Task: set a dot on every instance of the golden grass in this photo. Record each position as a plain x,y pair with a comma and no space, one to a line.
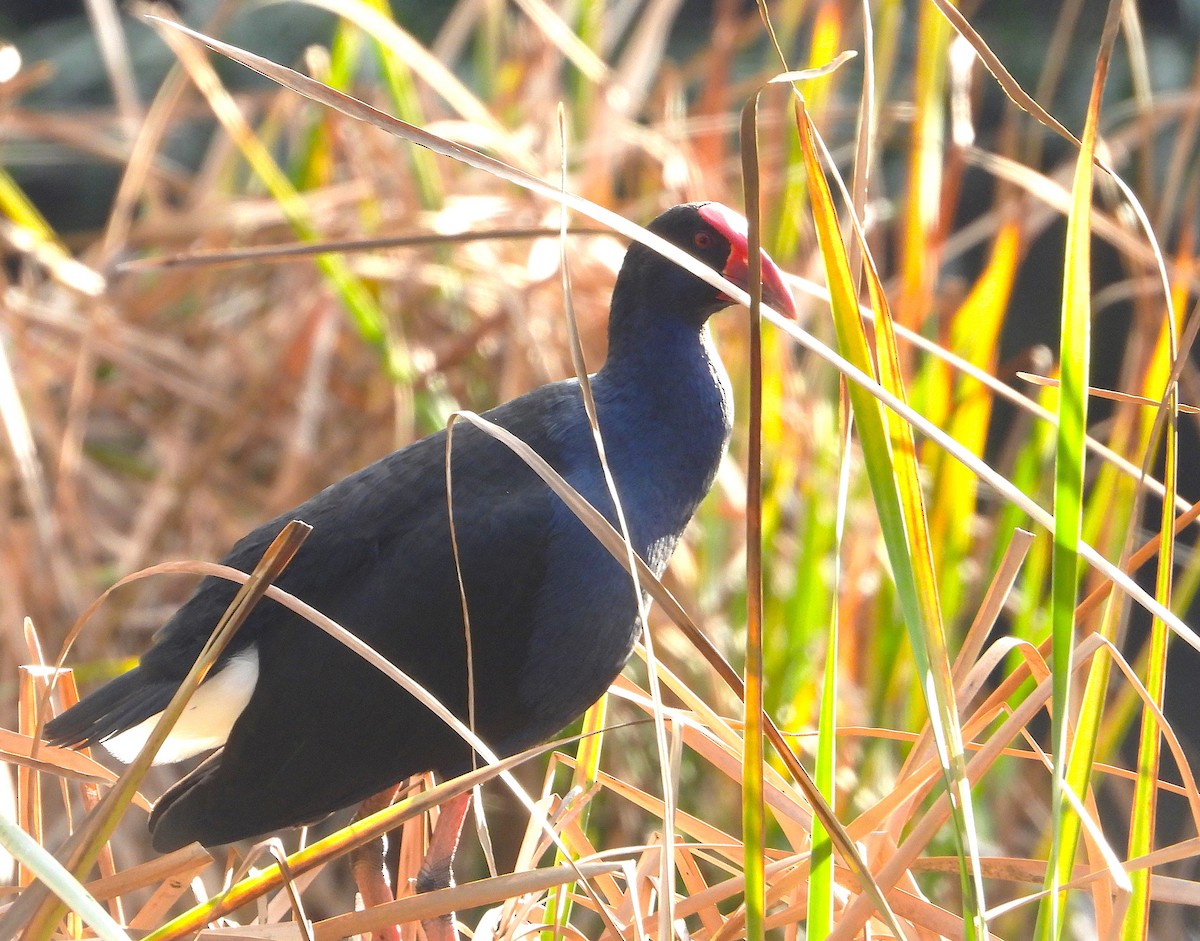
317,293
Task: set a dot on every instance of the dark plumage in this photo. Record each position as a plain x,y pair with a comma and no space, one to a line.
553,616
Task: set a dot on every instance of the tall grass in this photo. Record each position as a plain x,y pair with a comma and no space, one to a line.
948,677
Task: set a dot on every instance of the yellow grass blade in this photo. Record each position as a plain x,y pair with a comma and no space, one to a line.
923,209
1145,800
890,456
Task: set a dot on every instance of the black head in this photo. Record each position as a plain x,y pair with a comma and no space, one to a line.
716,236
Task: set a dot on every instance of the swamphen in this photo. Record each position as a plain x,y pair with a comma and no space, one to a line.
303,726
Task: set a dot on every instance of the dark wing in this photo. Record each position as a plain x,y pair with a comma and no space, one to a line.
324,729
385,518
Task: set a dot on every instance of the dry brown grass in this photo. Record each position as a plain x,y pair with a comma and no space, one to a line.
157,407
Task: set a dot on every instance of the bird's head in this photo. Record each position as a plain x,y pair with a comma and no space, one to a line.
716,235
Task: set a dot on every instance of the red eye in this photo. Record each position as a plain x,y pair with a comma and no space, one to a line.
702,240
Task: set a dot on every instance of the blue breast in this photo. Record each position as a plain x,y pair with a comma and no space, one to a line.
664,441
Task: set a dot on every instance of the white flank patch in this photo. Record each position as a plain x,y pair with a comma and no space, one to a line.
206,720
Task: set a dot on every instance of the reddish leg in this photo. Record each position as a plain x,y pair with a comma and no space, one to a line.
368,863
436,870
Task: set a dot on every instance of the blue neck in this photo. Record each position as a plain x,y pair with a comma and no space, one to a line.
666,414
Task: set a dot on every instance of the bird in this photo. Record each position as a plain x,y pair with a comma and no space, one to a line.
299,727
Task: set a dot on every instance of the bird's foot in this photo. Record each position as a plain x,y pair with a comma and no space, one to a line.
436,871
370,876
437,874
441,928
368,863
434,874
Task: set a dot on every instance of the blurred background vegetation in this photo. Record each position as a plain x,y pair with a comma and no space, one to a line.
157,411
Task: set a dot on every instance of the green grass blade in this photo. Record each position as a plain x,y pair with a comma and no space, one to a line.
890,457
1145,800
398,78
753,807
1070,451
1163,373
58,879
821,877
587,770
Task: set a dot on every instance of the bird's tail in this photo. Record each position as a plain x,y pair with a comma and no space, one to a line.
116,706
181,817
